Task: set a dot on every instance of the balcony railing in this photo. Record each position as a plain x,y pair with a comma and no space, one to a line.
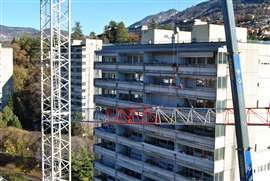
181,158
104,169
184,138
203,93
209,70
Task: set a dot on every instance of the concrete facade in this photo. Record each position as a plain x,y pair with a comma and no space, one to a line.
181,76
6,74
82,76
160,36
215,33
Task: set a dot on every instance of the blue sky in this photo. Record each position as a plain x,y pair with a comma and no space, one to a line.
93,14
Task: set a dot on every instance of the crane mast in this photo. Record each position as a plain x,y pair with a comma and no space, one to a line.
241,128
55,89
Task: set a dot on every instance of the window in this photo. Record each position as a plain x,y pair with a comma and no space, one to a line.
220,130
221,105
219,176
222,58
219,154
222,82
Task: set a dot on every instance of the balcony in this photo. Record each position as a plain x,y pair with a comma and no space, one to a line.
181,158
97,179
159,151
113,102
102,133
104,151
197,163
130,163
130,143
206,70
202,93
184,138
104,169
125,177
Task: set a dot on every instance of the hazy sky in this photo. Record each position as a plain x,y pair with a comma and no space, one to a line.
93,14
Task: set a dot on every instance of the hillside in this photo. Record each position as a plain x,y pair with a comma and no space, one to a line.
8,33
253,14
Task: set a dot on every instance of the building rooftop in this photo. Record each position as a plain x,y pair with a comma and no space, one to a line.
180,47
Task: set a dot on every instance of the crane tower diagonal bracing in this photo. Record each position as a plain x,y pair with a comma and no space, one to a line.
55,85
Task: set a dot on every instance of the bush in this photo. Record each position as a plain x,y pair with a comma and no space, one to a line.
82,166
8,118
10,148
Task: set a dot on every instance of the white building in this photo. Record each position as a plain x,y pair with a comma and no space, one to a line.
180,76
203,32
6,73
82,75
160,36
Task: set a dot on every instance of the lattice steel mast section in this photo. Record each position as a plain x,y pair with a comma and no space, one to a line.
55,90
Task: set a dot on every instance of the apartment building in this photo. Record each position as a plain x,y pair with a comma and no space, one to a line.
6,73
82,76
191,76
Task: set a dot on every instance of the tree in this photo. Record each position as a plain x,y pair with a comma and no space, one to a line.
133,38
93,35
26,80
115,33
10,119
77,32
82,166
3,124
153,24
110,31
10,103
76,127
121,33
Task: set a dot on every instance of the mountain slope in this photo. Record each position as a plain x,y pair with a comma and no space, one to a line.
160,17
8,33
253,14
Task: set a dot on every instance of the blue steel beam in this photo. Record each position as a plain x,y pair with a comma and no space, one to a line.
241,128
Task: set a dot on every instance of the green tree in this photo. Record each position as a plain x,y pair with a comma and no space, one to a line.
93,35
115,33
82,166
10,103
3,124
153,25
121,33
10,118
110,32
76,127
77,32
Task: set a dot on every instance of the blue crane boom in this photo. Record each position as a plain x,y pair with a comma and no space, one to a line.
241,128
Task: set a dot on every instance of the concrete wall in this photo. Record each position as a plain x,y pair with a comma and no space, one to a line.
157,36
214,33
86,73
6,73
255,65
